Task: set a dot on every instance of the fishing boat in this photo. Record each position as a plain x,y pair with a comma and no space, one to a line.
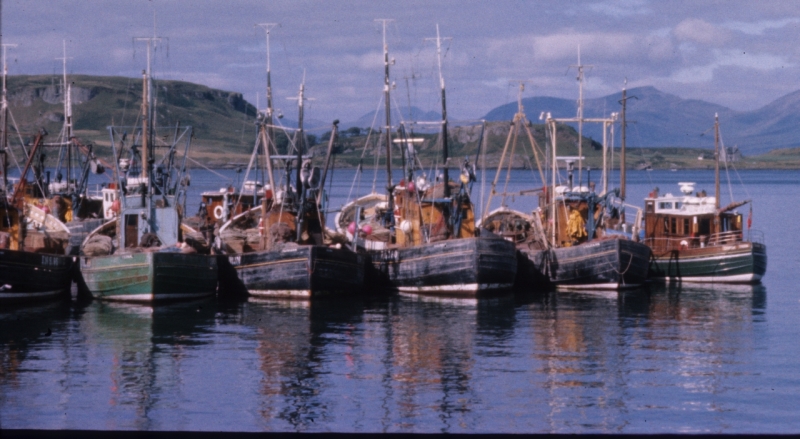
281,248
693,239
428,242
33,260
69,196
144,254
576,238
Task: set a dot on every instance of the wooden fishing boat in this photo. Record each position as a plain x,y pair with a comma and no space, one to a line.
576,238
281,249
144,255
422,238
33,260
694,240
33,265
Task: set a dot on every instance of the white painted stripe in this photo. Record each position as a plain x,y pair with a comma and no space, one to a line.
736,278
474,287
147,297
602,286
281,293
13,295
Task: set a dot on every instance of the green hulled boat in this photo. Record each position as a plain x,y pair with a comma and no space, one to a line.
144,254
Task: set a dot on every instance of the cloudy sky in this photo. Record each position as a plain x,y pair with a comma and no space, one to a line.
742,54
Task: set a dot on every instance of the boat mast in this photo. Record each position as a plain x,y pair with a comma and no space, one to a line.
3,106
716,172
444,112
580,79
299,136
4,139
268,121
623,126
147,110
66,90
387,106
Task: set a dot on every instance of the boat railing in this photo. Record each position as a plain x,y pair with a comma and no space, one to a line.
95,191
755,236
665,244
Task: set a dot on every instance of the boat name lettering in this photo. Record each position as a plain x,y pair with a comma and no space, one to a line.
389,256
235,260
50,260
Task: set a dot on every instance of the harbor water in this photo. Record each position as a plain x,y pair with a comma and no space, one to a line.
659,359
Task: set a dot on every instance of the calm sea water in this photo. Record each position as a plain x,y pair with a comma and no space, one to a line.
659,359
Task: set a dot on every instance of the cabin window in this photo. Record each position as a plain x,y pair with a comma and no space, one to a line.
705,226
666,225
673,225
648,207
678,204
686,229
131,230
664,205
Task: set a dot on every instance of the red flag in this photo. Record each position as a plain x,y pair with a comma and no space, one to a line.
750,218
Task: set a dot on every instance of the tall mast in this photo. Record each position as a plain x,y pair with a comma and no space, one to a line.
301,137
4,103
269,133
387,106
444,114
580,79
145,125
66,90
3,141
623,126
716,169
147,108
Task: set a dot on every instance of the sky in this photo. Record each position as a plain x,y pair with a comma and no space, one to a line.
741,54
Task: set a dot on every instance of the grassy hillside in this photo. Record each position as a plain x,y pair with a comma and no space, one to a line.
223,121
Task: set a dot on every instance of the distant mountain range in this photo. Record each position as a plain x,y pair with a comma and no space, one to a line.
657,119
224,121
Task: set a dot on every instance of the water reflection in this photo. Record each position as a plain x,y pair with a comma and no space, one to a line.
610,358
294,341
25,329
146,347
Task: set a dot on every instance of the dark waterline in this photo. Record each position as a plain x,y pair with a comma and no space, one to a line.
655,360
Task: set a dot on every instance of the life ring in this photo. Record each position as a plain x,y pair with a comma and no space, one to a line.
684,244
218,212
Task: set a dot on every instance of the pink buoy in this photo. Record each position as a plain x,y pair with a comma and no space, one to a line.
367,229
46,210
351,228
411,186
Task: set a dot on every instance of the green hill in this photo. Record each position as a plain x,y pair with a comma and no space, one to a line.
223,121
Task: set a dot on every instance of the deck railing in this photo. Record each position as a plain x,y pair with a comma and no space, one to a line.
666,244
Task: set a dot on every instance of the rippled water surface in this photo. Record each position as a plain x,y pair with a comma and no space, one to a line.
658,359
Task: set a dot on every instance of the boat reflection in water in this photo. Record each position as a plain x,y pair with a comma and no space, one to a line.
299,345
611,357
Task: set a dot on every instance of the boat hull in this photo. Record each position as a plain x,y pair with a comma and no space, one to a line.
457,267
28,276
301,272
742,262
610,264
149,276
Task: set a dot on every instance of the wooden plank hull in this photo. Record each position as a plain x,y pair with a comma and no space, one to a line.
28,276
149,276
301,272
457,267
603,264
741,262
